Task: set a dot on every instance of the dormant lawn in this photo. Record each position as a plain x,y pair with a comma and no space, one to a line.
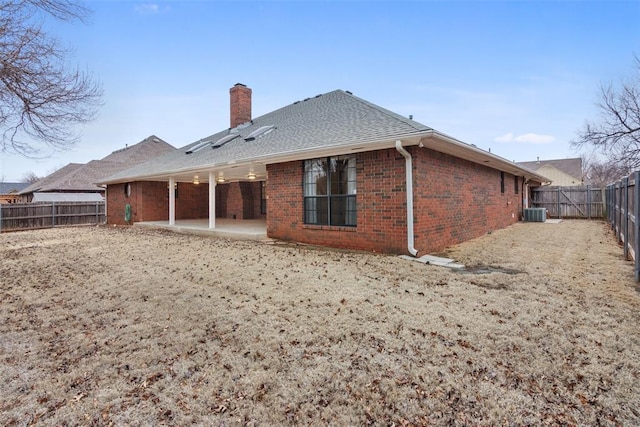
122,326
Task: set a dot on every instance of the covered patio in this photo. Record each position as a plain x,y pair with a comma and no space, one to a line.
239,229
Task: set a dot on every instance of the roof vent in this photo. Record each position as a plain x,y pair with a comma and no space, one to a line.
261,131
348,92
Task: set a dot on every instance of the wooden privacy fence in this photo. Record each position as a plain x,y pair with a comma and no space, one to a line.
14,217
569,202
623,212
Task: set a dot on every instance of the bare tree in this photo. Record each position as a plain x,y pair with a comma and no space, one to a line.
600,173
42,100
616,135
30,177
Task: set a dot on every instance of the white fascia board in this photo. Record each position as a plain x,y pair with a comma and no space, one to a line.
429,138
355,147
474,154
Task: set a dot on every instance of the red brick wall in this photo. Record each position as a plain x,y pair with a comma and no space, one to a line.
284,201
234,201
243,204
192,201
454,200
150,201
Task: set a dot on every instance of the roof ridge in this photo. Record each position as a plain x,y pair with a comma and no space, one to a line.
389,113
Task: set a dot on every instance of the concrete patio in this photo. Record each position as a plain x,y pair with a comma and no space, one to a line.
240,229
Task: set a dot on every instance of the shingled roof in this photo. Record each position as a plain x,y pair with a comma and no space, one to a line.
327,124
328,120
55,176
572,167
12,187
83,177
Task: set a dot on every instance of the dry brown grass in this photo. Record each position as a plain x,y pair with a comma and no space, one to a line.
103,326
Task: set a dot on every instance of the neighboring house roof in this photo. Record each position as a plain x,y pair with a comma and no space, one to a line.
83,177
60,173
559,177
67,197
328,124
572,167
12,187
141,152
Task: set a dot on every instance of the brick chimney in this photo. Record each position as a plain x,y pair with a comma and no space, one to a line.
240,104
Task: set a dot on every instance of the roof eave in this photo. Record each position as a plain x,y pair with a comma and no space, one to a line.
428,138
449,145
287,156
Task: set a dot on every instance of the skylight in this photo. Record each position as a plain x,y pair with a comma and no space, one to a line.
261,131
225,139
198,146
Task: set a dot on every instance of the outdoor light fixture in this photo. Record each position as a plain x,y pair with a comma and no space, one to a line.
251,175
220,179
196,180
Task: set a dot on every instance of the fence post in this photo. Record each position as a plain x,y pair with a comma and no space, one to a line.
589,201
636,224
0,217
625,218
609,205
617,207
558,204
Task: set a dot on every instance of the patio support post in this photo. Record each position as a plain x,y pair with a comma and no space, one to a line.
172,201
212,200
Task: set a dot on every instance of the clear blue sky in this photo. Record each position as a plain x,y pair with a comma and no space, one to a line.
517,77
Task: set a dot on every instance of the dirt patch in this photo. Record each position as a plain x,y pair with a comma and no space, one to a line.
124,326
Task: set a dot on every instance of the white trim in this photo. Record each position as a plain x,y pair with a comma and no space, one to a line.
429,138
212,200
172,200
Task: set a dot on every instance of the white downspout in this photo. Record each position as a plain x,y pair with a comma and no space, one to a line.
409,182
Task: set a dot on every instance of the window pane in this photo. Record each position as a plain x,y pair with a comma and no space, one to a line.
315,177
343,210
316,210
343,175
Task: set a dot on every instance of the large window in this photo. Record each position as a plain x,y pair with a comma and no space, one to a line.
330,191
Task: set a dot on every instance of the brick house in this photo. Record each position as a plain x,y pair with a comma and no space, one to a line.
331,170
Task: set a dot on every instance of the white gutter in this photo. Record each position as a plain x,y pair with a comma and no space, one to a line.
285,156
425,136
409,183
